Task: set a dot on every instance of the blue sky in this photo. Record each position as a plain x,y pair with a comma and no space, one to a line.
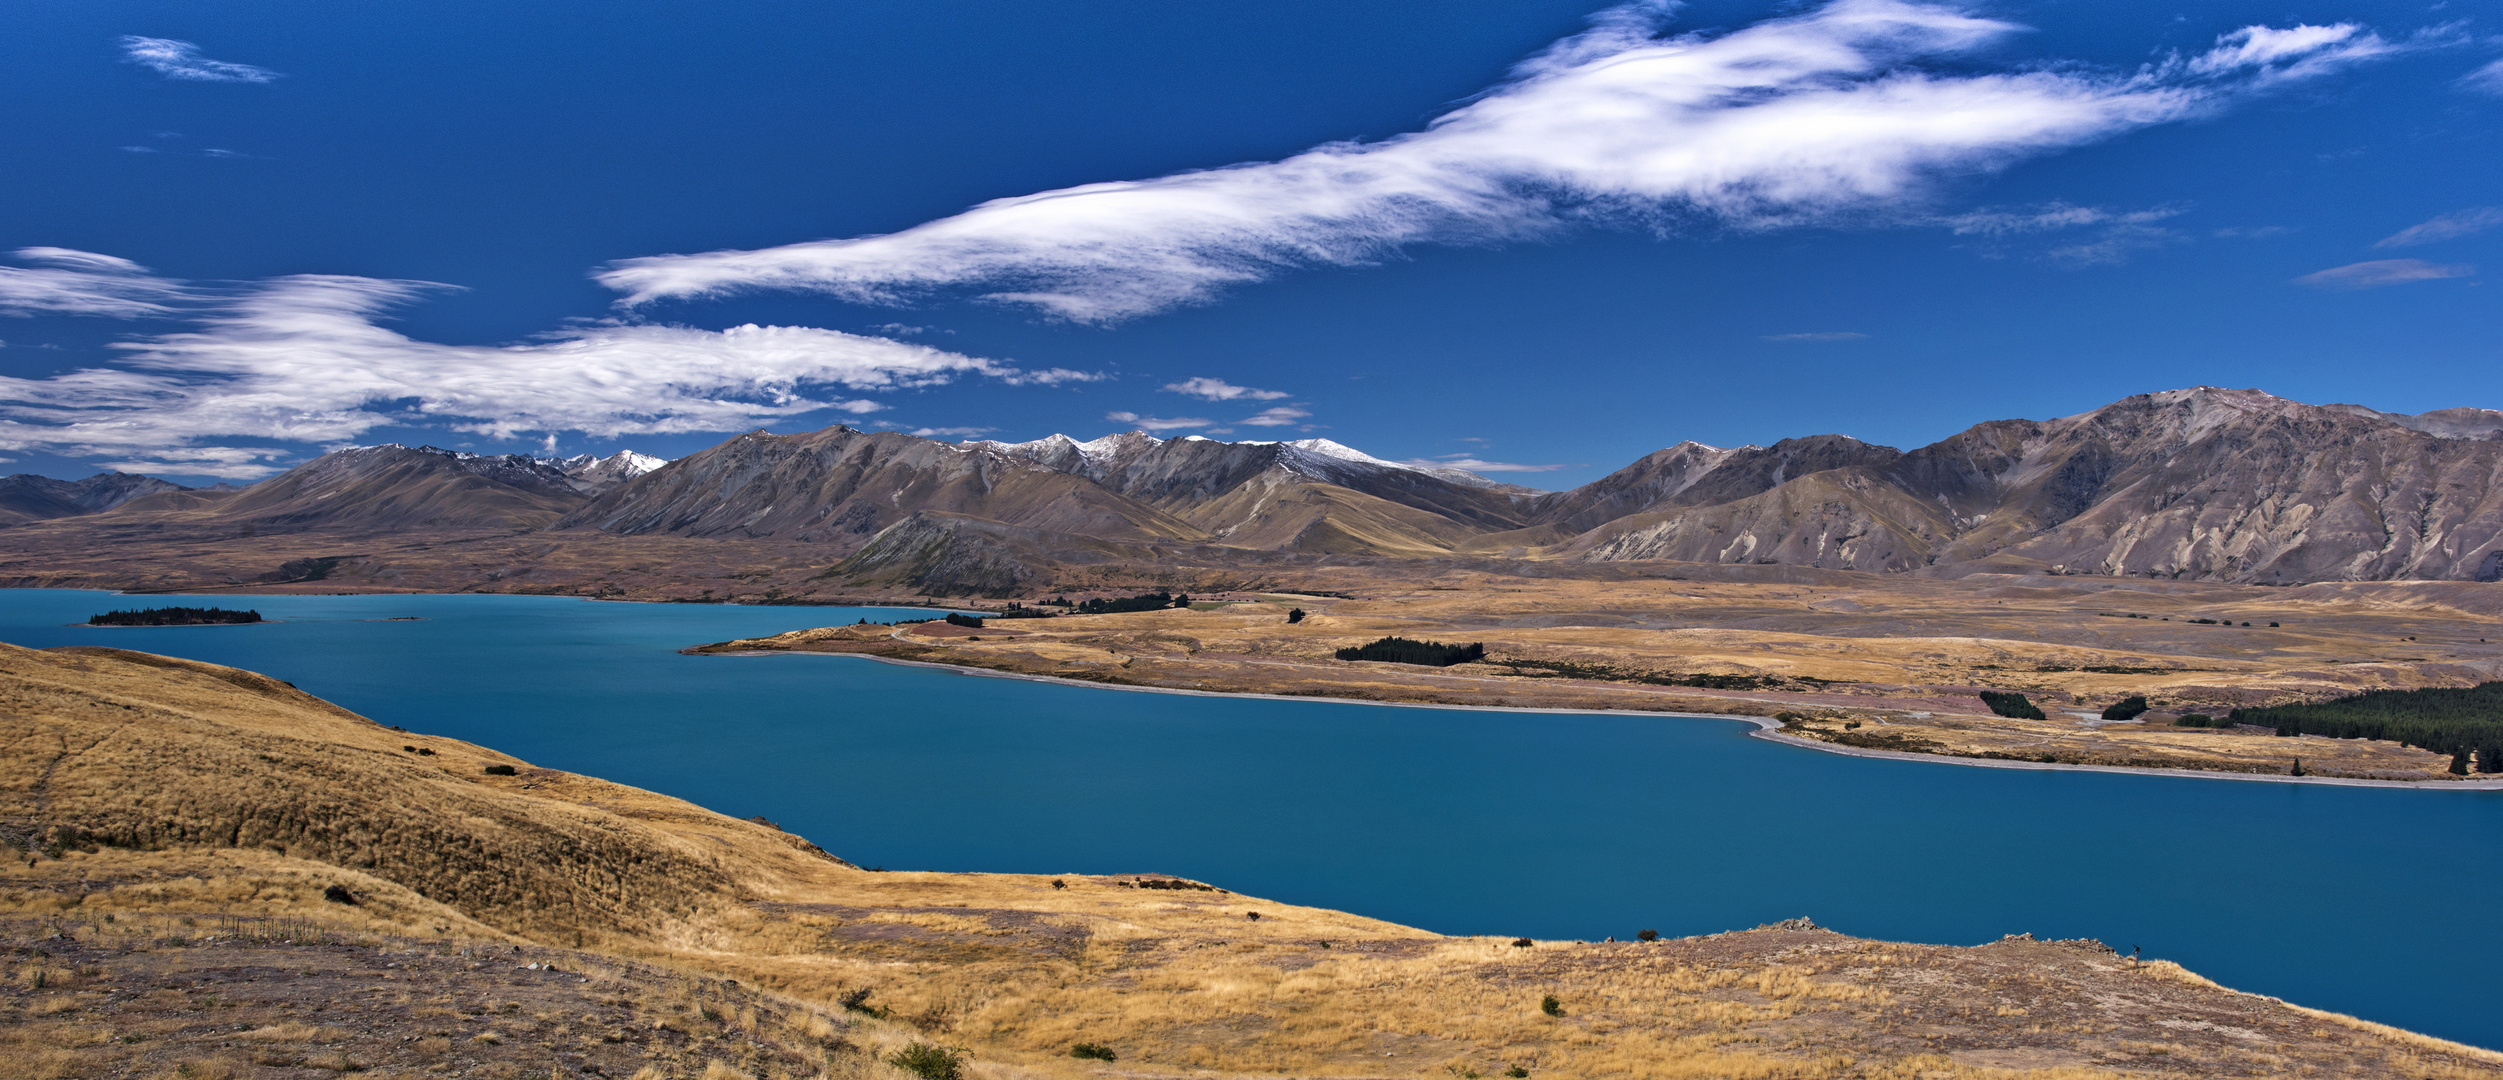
1543,237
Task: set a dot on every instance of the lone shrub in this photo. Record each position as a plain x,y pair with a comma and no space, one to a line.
501,770
2127,708
1252,915
1521,943
1059,884
1516,1072
1646,935
930,1062
1296,615
858,1001
339,894
1551,1006
1092,1052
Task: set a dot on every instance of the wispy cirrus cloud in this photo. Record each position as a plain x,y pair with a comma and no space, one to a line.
2049,217
1158,423
2270,54
1818,335
2451,226
182,60
1819,117
67,282
2117,234
1281,416
2487,79
1207,389
1476,465
304,360
2383,272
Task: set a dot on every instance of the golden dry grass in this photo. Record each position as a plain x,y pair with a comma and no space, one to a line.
1902,656
257,798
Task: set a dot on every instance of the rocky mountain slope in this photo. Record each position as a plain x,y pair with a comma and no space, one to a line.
2204,483
2233,485
28,497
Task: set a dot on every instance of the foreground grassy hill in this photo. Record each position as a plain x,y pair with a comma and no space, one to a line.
220,876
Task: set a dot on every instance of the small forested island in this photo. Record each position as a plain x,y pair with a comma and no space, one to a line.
175,616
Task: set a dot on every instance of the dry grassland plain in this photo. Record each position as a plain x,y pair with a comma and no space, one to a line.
1890,663
219,876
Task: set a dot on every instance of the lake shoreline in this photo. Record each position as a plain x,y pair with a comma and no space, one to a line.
1766,728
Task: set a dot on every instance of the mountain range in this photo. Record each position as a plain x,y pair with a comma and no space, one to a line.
2204,483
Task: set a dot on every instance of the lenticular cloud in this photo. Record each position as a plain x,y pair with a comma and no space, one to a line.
1790,121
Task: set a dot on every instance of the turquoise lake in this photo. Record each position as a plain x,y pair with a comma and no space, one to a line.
2366,901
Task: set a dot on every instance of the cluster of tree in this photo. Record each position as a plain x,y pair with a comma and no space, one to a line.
174,616
1400,650
1155,601
2126,709
2200,719
2011,705
2460,723
974,621
1168,883
1568,669
1015,610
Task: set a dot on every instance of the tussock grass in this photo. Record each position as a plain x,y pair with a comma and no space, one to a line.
709,934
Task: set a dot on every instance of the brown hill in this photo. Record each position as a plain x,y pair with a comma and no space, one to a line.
839,486
380,489
2199,484
28,497
2232,485
185,825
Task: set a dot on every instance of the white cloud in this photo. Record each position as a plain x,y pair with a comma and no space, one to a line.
1819,117
67,282
2121,232
1281,416
1049,377
1819,335
182,60
2381,272
301,359
1153,423
2114,247
2449,226
2488,79
958,432
2298,52
2049,217
1463,461
1207,389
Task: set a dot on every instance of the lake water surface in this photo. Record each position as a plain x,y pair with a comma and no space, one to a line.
2367,901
